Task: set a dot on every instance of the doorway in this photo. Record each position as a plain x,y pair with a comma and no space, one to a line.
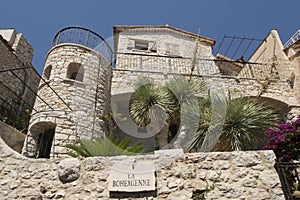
45,143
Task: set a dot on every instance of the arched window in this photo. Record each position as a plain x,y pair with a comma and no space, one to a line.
47,72
75,72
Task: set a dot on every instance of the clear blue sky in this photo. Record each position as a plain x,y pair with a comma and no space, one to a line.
40,20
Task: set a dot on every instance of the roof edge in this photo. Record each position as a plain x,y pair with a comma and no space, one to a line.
118,29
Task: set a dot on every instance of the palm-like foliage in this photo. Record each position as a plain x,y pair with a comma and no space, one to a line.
150,101
183,90
242,127
104,147
223,124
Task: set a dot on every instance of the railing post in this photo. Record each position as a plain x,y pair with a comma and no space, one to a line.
87,39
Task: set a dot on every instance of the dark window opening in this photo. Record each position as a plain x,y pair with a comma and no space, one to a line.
45,143
77,76
47,72
141,45
75,72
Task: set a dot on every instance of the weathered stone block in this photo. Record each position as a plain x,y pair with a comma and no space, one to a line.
69,170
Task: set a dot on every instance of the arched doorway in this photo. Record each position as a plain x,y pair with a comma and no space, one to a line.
43,133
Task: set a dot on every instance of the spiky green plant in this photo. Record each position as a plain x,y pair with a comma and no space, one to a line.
242,127
166,101
104,147
147,96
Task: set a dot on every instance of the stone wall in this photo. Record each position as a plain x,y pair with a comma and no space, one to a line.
23,49
18,87
161,39
237,175
123,80
12,137
173,52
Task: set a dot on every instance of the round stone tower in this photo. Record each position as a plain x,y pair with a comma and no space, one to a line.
73,94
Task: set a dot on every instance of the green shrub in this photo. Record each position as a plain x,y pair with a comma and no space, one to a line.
104,147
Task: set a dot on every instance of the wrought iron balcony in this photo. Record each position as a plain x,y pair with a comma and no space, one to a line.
180,65
85,37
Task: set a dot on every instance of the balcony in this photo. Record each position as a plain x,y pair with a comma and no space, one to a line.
165,64
85,37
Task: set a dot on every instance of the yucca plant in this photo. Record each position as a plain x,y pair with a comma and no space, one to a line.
152,102
163,102
147,96
241,126
104,147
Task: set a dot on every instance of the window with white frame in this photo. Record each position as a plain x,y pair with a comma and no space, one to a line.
142,45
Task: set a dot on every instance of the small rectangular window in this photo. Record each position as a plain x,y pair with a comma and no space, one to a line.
142,45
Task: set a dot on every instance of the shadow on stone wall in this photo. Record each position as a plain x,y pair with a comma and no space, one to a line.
12,137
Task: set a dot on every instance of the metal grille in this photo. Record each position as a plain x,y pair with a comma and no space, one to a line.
288,174
85,37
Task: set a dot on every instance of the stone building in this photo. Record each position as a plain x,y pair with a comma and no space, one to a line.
18,78
82,83
76,91
18,85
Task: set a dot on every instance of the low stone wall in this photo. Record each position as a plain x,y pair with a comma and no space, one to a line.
12,137
237,175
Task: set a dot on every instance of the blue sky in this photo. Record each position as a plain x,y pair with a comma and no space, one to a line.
40,20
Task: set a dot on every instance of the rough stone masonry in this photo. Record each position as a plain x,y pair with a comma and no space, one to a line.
237,175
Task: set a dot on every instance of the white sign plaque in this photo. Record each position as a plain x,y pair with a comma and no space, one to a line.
136,177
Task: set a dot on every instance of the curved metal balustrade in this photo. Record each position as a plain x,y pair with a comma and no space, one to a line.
85,37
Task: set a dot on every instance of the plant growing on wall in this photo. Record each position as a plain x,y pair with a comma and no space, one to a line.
209,186
104,147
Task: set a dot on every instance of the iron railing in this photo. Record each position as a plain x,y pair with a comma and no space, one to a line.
293,39
289,174
164,64
180,65
85,37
